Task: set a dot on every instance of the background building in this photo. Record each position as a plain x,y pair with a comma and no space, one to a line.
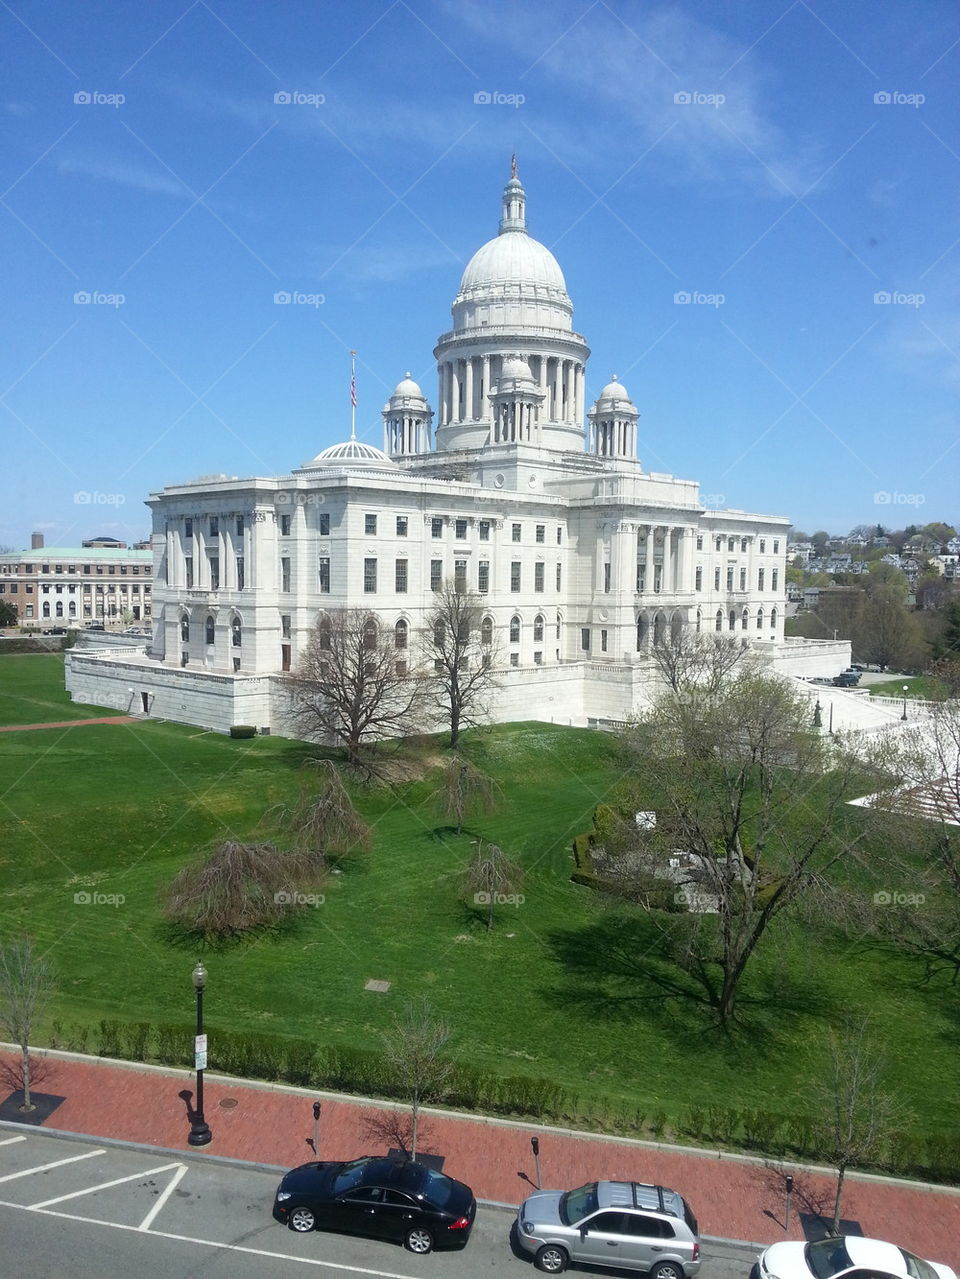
58,585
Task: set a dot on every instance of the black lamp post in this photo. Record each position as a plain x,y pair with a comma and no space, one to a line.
200,1134
905,688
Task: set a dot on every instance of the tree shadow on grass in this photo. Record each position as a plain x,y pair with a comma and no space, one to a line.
622,967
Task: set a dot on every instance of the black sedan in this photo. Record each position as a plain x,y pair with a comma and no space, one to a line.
382,1198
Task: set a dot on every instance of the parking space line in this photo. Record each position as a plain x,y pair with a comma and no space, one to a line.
57,1163
174,1182
105,1185
211,1243
8,1141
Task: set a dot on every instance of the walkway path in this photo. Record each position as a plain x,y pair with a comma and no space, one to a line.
734,1197
71,723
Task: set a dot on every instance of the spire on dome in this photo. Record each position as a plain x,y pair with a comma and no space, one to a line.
513,212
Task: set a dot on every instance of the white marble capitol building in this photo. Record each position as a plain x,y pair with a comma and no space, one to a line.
512,486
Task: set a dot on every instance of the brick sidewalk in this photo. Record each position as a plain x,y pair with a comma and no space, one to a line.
733,1197
69,723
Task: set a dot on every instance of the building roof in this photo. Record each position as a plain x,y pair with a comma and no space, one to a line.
46,553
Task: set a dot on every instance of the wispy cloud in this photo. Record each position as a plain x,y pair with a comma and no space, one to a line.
105,169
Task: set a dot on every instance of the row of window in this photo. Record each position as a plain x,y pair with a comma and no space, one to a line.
86,569
134,588
401,576
732,544
209,630
732,575
111,610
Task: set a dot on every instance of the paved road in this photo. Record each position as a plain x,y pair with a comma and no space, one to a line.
88,1211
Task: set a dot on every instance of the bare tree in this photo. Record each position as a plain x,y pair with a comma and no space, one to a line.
749,801
239,887
323,819
490,878
462,657
414,1047
352,685
465,789
696,659
855,1116
26,985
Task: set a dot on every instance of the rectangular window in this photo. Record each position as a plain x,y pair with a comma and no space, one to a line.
515,533
369,524
484,530
538,570
369,576
285,625
436,527
729,577
559,576
240,567
541,533
538,657
188,565
285,573
603,641
698,578
401,526
731,543
719,543
763,545
400,577
743,579
239,526
285,657
774,578
112,570
436,575
323,523
559,535
716,579
214,573
284,525
743,544
759,579
514,659
58,568
515,576
700,542
776,546
214,526
460,529
323,574
483,576
606,576
460,576
585,639
188,528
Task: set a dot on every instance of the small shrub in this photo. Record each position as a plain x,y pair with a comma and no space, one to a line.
695,1123
135,1041
300,1062
243,730
722,1124
658,1122
108,1039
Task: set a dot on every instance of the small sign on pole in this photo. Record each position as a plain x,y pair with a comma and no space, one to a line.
200,1052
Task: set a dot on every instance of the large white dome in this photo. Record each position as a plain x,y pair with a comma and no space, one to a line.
352,453
513,257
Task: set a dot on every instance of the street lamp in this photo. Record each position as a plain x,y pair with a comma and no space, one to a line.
905,688
200,1134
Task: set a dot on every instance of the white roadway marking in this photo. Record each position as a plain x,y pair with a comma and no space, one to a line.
8,1141
57,1163
105,1185
174,1182
210,1243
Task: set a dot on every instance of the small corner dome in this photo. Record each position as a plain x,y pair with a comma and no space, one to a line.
352,453
614,390
407,389
515,368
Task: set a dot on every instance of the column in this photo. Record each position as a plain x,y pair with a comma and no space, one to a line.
455,391
579,397
649,575
555,405
469,413
485,388
683,542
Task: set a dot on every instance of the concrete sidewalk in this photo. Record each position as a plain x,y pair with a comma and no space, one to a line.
733,1196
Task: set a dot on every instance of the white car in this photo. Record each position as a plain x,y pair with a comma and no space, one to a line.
847,1257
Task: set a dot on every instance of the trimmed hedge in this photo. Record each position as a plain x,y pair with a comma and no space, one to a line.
365,1072
243,730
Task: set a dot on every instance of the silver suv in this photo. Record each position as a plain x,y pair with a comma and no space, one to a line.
622,1224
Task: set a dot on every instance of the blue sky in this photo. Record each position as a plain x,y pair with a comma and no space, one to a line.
782,196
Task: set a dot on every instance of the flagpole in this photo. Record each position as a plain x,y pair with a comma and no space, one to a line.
353,395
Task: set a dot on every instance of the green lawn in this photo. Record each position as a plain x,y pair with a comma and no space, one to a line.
556,991
922,686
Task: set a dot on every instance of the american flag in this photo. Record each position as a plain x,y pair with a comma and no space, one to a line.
353,380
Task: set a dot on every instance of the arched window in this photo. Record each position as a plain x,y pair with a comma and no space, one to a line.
369,634
759,619
185,628
773,618
236,631
46,608
559,625
659,628
514,630
676,626
439,634
538,629
641,632
733,619
324,634
59,608
744,619
719,620
486,631
699,620
400,633
73,608
463,630
209,630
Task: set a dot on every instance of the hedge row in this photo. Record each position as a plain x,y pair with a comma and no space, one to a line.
365,1072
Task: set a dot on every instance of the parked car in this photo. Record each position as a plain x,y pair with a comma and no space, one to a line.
398,1200
623,1224
847,679
847,1257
